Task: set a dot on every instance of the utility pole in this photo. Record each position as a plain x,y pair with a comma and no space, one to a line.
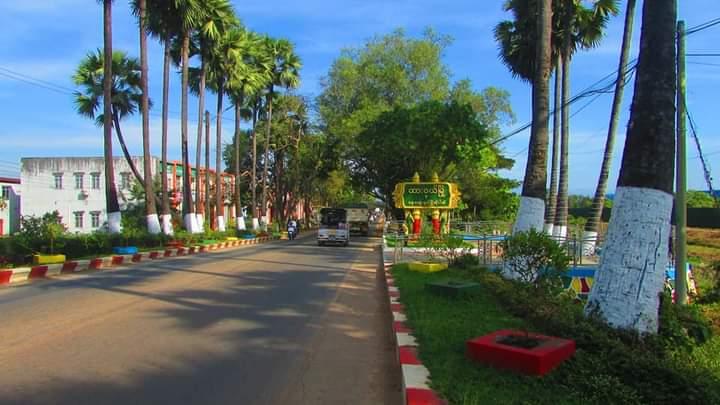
681,176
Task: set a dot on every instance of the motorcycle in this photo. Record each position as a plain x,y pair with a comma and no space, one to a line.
292,232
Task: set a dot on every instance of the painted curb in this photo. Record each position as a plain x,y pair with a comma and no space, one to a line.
415,376
21,274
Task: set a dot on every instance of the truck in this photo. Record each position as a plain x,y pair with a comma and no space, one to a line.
358,218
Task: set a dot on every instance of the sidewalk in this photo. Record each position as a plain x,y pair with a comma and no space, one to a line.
351,359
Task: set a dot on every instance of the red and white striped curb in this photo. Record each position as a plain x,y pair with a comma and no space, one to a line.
20,274
415,377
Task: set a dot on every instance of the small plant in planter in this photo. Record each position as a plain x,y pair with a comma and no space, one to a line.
537,263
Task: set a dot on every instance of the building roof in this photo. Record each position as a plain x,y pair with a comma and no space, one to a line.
10,180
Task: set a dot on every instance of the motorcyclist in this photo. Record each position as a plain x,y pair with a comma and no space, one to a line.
292,228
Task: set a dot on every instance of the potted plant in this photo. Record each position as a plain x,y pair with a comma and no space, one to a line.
538,263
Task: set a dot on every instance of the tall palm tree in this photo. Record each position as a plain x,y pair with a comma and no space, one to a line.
532,200
580,28
249,82
285,72
256,107
153,222
227,65
526,47
551,201
111,200
162,22
591,226
218,16
631,273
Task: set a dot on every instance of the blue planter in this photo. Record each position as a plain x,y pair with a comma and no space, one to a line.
248,236
129,250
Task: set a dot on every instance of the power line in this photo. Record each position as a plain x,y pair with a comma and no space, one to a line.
703,54
703,26
703,162
703,63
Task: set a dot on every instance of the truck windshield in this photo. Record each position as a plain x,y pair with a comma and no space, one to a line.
332,217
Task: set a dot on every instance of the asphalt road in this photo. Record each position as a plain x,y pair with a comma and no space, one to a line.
279,323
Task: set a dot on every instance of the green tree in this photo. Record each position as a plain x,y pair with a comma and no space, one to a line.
388,71
699,199
284,66
427,136
632,273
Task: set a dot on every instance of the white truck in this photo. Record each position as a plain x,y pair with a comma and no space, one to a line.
358,218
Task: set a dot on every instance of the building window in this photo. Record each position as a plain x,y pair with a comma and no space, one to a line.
125,180
78,219
79,181
58,180
5,192
95,219
95,180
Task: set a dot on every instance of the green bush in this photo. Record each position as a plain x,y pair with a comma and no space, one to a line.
535,258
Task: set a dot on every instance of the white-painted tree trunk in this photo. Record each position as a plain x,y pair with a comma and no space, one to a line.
255,224
114,222
189,220
167,227
632,266
559,232
240,222
588,243
200,221
531,215
549,229
153,224
221,223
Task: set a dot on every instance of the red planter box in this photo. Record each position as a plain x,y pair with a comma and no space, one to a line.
536,361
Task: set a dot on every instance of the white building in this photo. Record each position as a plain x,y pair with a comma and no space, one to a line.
9,205
75,187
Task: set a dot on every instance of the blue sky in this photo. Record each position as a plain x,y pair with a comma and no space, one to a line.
45,39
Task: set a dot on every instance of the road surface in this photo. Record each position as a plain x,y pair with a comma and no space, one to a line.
279,323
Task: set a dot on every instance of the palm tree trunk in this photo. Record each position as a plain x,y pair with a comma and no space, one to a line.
126,153
153,223
187,205
591,226
166,217
207,166
263,208
532,201
111,199
631,274
561,213
253,182
552,197
198,146
220,206
239,217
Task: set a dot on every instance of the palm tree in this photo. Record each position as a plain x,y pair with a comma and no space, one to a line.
218,16
162,22
580,28
631,273
153,223
284,71
552,195
248,82
125,89
591,226
111,200
256,106
526,48
226,66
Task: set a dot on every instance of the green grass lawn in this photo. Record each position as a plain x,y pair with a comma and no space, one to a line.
606,369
